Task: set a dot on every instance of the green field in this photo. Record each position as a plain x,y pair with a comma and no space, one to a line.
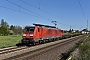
8,41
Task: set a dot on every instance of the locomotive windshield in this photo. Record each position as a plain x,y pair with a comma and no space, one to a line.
29,29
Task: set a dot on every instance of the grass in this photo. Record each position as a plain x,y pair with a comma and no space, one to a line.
84,49
8,41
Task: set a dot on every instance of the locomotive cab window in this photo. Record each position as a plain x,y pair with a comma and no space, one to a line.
29,29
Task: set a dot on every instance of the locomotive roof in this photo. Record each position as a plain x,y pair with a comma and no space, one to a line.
29,26
44,25
41,26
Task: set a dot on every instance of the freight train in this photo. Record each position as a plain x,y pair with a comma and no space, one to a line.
40,33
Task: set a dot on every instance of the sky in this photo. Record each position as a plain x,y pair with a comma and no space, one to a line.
66,12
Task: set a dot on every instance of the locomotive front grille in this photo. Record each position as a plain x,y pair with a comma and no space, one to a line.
27,40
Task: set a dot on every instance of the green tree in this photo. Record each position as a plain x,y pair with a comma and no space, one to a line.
16,29
4,28
85,30
4,23
70,31
12,27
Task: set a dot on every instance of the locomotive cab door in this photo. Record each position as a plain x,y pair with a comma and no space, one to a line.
40,32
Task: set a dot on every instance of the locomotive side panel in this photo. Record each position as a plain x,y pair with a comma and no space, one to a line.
37,34
47,33
51,33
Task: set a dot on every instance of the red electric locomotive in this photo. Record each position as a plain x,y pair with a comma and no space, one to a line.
40,33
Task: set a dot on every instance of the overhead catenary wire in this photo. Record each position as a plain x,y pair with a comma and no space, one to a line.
41,9
33,12
23,8
82,9
29,10
21,12
83,13
17,10
37,7
25,12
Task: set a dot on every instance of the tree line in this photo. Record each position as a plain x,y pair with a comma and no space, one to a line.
6,29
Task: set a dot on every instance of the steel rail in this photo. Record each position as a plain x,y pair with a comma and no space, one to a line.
40,51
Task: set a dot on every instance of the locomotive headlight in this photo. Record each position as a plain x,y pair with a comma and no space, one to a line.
31,34
24,34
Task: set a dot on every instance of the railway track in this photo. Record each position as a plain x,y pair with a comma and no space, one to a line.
36,50
11,49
